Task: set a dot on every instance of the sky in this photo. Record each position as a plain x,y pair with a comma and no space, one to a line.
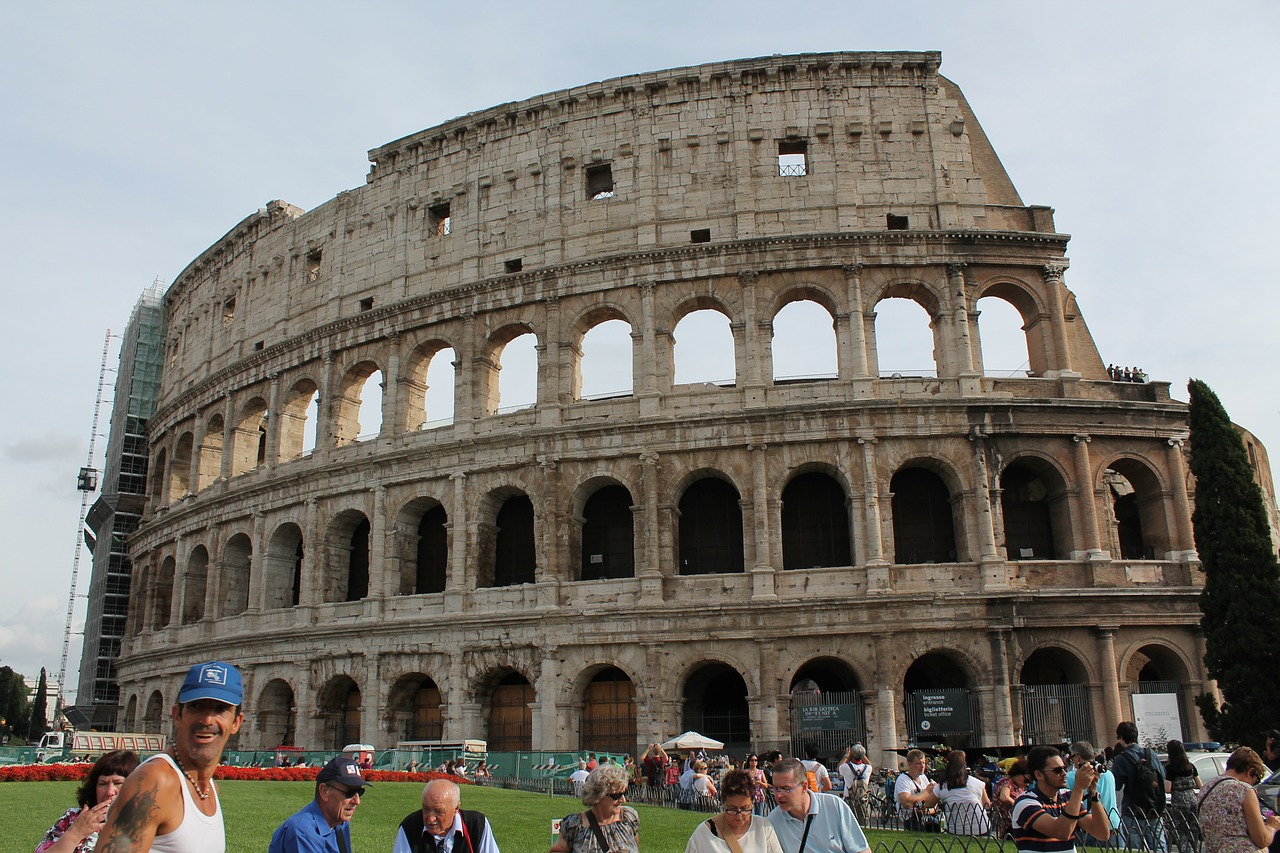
136,134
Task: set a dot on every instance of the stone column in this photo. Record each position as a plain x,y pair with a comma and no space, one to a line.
1002,719
392,399
1088,499
382,583
1181,504
1057,316
257,583
767,722
650,571
456,586
1106,635
213,578
877,565
886,702
855,358
548,731
275,424
228,437
995,571
962,354
651,368
325,411
374,697
315,561
554,386
753,357
307,728
197,454
551,568
762,573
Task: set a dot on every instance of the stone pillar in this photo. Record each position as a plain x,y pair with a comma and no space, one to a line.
257,583
314,562
456,584
392,398
197,454
326,413
1088,499
228,437
1186,539
886,703
374,697
767,722
1057,316
548,731
554,537
275,424
1002,718
753,357
650,571
877,565
554,385
959,309
762,573
1112,709
995,571
856,355
307,728
651,368
382,583
213,578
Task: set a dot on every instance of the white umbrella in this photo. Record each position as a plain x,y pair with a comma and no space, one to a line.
692,740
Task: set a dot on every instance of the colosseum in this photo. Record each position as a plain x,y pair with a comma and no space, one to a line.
859,553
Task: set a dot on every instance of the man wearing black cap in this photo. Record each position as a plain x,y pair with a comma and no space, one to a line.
170,804
324,824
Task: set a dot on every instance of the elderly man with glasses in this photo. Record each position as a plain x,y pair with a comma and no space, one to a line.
324,824
1046,817
810,822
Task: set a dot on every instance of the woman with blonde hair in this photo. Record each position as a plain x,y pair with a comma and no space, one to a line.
1231,818
607,826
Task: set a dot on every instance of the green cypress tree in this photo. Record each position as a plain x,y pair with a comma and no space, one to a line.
14,707
39,710
1240,605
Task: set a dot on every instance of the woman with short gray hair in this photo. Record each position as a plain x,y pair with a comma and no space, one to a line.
607,826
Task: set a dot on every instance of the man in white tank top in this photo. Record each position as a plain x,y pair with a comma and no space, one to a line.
170,804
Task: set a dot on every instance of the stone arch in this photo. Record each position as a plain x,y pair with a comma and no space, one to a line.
815,525
154,717
506,695
717,344
604,547
422,537
415,708
196,585
924,507
1155,666
804,344
347,544
282,567
276,714
1140,509
489,367
210,464
608,701
951,675
1036,326
416,385
1056,705
716,702
508,553
1035,509
235,559
180,468
297,431
131,714
163,593
834,685
348,398
339,712
710,532
249,436
882,356
603,355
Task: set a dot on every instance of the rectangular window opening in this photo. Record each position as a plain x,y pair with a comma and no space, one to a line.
793,158
228,311
513,265
600,181
366,304
439,223
313,265
257,347
896,223
700,235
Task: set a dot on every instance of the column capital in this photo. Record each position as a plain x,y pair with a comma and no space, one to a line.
649,457
955,268
746,277
1053,272
852,268
1081,438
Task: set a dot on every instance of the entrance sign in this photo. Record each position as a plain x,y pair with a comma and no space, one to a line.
941,712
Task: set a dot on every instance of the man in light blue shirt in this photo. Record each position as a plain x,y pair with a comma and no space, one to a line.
814,822
1082,753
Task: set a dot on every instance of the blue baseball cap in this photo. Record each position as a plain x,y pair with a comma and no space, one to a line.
214,680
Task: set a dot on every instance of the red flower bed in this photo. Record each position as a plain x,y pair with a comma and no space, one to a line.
77,772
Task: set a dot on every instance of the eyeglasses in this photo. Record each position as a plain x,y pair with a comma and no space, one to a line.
345,794
738,812
617,796
784,789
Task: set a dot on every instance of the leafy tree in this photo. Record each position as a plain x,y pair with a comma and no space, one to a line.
14,707
39,710
1240,605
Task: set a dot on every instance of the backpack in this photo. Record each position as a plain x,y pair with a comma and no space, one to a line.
1147,794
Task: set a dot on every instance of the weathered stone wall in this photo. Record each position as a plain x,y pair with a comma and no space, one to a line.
290,303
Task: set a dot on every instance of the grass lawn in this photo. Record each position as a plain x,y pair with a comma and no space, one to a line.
521,821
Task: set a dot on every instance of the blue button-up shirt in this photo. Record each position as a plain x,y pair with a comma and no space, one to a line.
308,832
834,828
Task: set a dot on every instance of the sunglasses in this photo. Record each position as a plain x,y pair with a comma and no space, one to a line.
345,794
617,796
1061,768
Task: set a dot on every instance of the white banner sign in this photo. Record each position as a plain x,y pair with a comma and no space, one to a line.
1157,718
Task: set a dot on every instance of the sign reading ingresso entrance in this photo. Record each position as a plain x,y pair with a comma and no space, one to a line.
941,712
826,718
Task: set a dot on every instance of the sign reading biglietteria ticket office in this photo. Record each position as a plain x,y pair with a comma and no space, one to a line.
940,712
826,718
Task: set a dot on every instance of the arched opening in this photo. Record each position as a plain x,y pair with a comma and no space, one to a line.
604,370
815,523
1157,678
130,723
904,339
804,343
153,721
1141,529
339,711
715,704
438,396
608,537
514,556
415,710
298,420
1004,340
210,465
923,528
609,712
1055,698
941,706
432,567
347,578
826,708
510,717
704,349
282,568
1035,511
196,585
710,528
276,714
163,593
237,557
357,406
249,437
370,425
518,374
180,470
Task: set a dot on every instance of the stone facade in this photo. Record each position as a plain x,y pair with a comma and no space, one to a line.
1011,538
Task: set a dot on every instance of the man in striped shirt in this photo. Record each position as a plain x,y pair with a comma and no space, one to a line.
1046,817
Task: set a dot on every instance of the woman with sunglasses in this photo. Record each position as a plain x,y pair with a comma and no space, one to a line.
760,783
735,829
1231,817
608,825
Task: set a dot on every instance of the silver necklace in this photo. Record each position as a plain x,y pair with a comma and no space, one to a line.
203,793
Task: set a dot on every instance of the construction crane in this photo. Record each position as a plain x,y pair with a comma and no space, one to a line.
87,484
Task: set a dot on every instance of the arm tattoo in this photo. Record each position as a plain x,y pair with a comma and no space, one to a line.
135,816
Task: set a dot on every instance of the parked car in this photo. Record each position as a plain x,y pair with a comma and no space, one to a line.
1269,791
